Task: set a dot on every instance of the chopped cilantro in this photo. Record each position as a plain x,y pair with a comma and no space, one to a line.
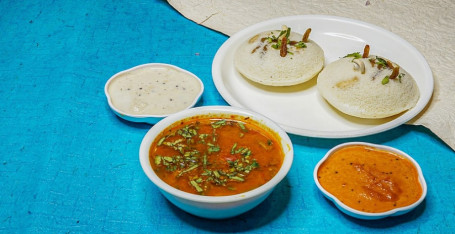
356,55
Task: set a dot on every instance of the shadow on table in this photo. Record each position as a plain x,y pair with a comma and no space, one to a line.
137,125
267,211
391,221
378,138
386,222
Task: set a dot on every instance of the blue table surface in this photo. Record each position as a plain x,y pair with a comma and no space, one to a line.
68,164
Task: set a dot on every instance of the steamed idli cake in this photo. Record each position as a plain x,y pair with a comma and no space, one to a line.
279,58
367,86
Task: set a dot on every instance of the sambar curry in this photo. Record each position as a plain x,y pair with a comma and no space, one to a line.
215,156
370,179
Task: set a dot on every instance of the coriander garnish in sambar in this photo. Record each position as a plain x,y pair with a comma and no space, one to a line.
216,156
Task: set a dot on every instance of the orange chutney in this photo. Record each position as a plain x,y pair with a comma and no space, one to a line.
216,156
369,179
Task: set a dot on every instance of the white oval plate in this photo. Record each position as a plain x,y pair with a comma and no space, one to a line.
300,109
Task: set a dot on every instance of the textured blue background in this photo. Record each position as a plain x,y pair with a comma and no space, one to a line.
68,164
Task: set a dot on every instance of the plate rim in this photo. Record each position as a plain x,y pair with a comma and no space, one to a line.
422,103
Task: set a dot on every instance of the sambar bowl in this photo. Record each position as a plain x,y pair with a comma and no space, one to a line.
223,206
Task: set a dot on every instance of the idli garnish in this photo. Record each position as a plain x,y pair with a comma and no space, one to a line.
279,57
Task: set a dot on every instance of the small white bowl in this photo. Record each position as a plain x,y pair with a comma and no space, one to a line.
367,215
215,207
149,118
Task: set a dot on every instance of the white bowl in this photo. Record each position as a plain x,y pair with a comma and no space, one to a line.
215,207
367,215
149,118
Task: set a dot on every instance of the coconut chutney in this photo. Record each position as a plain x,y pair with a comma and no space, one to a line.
154,90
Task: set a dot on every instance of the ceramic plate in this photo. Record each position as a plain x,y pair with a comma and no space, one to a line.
300,109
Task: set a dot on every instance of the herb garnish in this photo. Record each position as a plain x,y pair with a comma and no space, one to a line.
385,80
355,55
300,44
382,64
219,123
196,186
281,42
192,164
212,148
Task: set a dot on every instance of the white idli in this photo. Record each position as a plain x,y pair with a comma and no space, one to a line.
367,87
259,60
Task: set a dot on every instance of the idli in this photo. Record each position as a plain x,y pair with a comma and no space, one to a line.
279,58
367,86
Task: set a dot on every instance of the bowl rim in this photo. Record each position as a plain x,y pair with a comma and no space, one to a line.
142,116
208,110
369,215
